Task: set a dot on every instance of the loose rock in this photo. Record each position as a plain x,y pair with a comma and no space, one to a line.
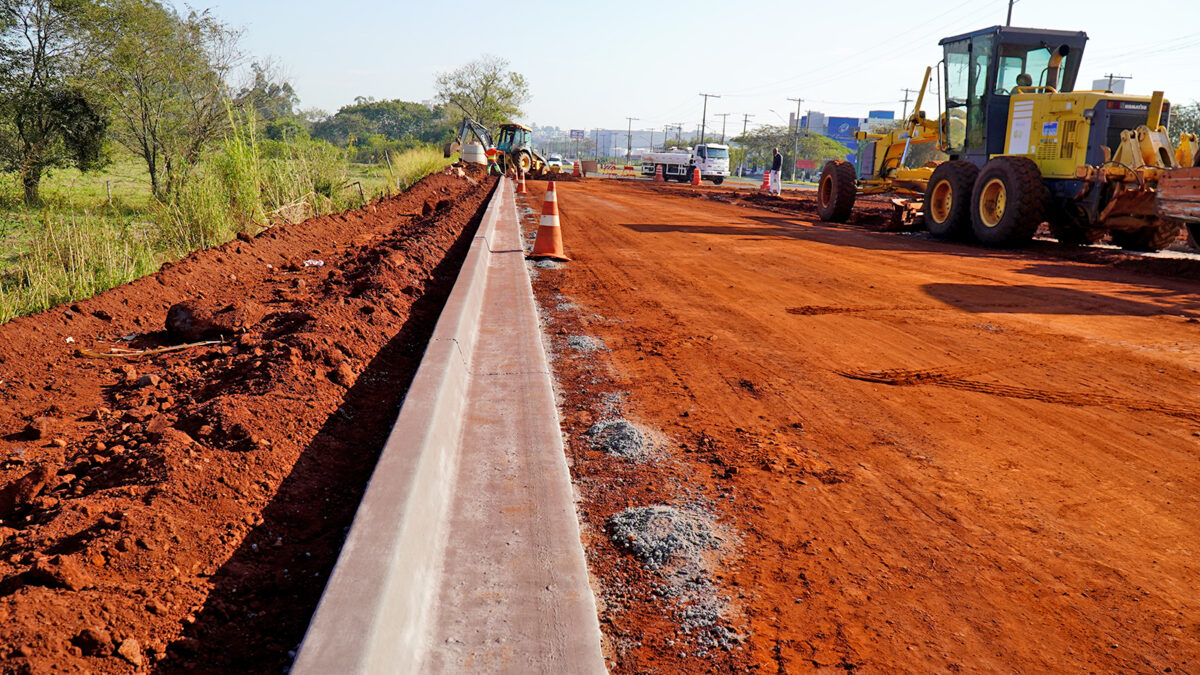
655,534
618,436
131,651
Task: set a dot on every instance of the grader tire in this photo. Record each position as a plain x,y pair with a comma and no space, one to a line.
1193,230
836,192
1154,237
947,204
1008,202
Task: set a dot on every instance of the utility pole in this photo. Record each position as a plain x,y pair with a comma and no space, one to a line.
704,116
651,140
1008,22
796,136
679,132
906,100
596,142
742,165
723,117
666,135
629,138
1112,77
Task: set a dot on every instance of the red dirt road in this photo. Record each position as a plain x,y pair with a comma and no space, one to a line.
927,457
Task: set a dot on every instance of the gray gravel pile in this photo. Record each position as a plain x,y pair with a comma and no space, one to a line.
584,343
657,534
548,264
618,436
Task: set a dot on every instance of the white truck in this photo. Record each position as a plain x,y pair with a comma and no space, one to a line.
711,159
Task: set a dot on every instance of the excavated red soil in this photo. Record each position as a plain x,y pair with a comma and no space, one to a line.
181,511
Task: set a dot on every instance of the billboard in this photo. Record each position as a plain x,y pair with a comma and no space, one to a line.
577,134
841,129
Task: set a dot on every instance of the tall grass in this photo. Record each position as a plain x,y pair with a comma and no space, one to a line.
74,248
251,183
410,166
71,258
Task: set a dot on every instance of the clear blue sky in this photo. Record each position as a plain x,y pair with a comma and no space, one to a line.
591,65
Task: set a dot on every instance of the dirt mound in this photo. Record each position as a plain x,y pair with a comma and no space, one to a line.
184,508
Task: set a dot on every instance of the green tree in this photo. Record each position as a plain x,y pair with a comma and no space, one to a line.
164,76
269,95
393,119
484,90
759,146
48,116
1185,119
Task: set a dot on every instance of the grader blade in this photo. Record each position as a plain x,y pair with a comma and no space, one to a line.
1179,195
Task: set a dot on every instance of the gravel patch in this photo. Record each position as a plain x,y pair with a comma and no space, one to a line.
657,534
584,343
548,264
619,437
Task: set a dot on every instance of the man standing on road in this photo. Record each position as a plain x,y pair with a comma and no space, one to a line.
777,174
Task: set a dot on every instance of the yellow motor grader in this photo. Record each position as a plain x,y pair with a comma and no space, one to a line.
1025,148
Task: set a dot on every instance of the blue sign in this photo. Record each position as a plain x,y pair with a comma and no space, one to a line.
841,129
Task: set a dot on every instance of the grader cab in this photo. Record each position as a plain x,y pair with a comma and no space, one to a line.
1025,147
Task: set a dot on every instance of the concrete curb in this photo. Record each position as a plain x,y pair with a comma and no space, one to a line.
418,561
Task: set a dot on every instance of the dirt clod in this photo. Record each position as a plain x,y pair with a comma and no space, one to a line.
60,572
194,320
94,642
20,493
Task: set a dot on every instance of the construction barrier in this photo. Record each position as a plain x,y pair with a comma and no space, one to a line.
619,171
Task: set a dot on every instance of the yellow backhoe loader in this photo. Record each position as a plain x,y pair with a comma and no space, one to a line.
513,149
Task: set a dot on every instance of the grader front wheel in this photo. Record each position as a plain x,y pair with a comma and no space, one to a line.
836,192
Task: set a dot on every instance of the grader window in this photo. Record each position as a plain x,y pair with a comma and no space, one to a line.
958,66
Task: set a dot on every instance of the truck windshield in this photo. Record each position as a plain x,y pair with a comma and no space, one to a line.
718,153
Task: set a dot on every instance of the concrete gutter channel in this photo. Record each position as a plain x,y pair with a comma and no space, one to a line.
465,552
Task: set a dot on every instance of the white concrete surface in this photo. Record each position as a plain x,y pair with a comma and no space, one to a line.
465,554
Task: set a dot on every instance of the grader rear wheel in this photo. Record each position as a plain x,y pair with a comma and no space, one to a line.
948,199
836,192
1009,202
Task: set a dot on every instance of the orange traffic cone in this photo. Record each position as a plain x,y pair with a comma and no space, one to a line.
549,235
766,186
696,175
521,185
658,174
578,173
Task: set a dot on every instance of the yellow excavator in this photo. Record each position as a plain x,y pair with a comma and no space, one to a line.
513,149
1025,148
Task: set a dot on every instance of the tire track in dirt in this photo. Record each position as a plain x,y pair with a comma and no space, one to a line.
952,377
